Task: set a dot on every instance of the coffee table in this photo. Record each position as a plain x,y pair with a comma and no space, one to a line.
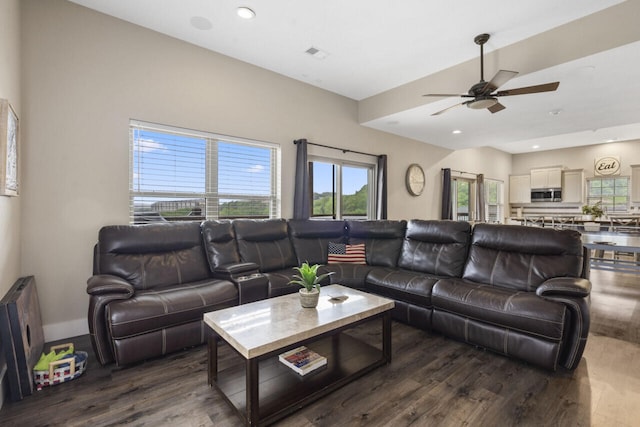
264,390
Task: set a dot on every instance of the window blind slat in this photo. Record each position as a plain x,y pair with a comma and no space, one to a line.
176,174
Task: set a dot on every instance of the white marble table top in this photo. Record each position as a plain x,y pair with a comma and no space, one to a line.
261,327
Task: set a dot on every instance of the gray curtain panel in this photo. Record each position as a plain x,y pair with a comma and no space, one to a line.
381,196
301,196
480,215
447,208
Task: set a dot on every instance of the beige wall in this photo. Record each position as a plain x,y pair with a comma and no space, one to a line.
10,90
582,158
87,74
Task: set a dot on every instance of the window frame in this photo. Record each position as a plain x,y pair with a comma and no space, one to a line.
211,194
609,208
371,168
500,202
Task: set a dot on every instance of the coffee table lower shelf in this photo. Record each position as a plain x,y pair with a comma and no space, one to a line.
282,391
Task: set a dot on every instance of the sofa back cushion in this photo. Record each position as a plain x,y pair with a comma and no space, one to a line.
220,243
436,247
382,239
153,255
310,238
265,242
521,258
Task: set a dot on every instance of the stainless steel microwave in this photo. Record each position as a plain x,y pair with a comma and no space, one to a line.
546,195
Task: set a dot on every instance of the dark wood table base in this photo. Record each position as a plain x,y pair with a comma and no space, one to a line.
264,390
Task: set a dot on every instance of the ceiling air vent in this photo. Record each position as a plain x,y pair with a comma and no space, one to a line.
316,53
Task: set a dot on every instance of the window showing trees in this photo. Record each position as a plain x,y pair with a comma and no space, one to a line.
464,199
612,192
340,190
493,200
182,175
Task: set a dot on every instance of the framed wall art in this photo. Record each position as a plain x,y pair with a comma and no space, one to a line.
8,150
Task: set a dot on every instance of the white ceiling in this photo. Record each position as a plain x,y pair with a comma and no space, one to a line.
386,54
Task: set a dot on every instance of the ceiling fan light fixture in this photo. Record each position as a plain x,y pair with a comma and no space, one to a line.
482,102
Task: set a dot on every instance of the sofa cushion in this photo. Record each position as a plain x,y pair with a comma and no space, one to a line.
310,238
220,245
436,247
160,308
522,311
351,275
266,243
382,239
279,282
348,254
522,258
402,285
153,255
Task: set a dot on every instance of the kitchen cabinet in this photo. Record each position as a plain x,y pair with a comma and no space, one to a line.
573,186
546,178
635,183
519,189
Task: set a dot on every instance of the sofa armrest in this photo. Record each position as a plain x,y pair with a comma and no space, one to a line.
103,289
233,271
565,286
573,292
104,284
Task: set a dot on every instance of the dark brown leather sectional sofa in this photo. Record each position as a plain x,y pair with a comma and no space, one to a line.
519,291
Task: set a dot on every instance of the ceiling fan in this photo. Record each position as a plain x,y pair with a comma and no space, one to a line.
482,93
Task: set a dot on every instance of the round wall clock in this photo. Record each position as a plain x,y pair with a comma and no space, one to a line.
415,179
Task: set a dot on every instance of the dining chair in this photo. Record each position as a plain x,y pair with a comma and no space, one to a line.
626,225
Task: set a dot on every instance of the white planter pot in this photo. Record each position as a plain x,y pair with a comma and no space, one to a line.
309,299
591,226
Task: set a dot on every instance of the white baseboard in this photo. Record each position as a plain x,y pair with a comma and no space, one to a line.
62,330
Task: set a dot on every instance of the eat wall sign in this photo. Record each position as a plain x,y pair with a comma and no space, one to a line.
609,165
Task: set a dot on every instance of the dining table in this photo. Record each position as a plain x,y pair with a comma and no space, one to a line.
613,251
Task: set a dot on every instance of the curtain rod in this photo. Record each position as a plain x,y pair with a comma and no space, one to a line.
344,150
468,173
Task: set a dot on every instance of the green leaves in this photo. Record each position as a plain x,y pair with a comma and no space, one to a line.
308,276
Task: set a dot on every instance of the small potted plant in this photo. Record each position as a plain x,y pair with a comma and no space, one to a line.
309,279
590,213
595,211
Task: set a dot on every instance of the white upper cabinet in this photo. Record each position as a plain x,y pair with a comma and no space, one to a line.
520,189
546,178
573,186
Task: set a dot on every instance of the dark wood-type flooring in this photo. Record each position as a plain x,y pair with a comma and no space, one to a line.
432,381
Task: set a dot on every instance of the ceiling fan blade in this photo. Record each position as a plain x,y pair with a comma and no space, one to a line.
547,87
498,80
496,107
447,109
447,95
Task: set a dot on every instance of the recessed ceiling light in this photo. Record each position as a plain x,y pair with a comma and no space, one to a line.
535,147
245,13
456,132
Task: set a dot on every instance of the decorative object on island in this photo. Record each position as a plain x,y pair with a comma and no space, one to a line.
309,279
8,150
302,360
594,211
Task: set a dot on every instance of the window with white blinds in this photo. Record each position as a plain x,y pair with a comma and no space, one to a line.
182,175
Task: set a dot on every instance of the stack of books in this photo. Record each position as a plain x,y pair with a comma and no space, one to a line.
303,360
